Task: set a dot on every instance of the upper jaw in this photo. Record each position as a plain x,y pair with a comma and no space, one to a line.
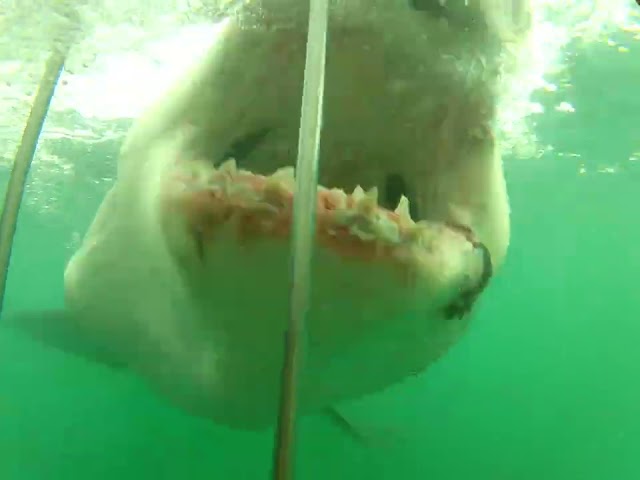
262,206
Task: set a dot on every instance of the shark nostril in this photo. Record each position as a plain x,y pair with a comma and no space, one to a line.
395,187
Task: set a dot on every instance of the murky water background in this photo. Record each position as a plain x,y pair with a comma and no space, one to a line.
544,386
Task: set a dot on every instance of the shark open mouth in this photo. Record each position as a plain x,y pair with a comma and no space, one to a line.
184,275
352,225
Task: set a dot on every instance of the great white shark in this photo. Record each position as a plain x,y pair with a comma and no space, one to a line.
183,277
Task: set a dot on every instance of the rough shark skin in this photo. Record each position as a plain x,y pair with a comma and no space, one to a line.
183,277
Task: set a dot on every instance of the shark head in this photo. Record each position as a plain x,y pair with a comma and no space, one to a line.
186,269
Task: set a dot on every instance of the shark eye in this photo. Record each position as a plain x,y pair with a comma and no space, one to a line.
395,187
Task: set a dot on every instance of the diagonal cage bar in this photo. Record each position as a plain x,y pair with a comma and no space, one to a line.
23,161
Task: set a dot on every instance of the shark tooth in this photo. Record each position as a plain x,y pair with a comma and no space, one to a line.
285,175
372,194
229,166
358,194
368,203
402,210
338,197
278,186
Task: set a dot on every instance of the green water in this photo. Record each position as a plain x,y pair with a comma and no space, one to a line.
544,386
